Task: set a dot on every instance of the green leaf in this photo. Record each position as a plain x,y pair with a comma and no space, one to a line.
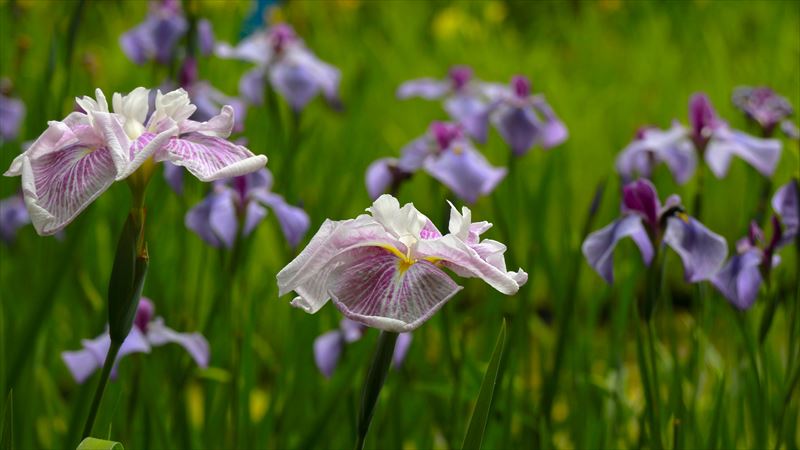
91,443
7,426
480,415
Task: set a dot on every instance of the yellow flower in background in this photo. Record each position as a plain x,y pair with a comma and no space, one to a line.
454,22
495,12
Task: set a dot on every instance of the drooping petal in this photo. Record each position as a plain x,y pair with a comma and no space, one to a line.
13,215
174,177
785,203
134,343
293,220
702,251
553,131
194,343
740,279
671,147
81,363
252,84
519,128
380,177
210,158
373,286
466,172
308,273
401,349
12,111
427,88
485,262
762,154
472,113
255,48
253,216
413,155
327,350
351,330
295,83
598,248
214,219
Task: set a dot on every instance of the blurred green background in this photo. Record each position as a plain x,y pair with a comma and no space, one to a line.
606,67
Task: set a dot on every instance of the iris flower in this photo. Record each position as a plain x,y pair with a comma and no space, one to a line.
147,332
385,269
764,107
292,69
741,278
447,155
466,99
77,159
13,216
652,147
242,200
12,111
525,120
156,38
328,347
649,224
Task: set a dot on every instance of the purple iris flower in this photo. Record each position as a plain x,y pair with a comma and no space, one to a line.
713,138
291,68
741,278
447,155
12,111
13,216
467,100
763,106
207,98
329,346
148,331
525,120
156,37
240,202
651,224
652,147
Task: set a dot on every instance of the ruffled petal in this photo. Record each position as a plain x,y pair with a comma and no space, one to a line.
194,343
740,279
210,158
327,350
702,251
466,172
762,154
598,248
373,286
427,88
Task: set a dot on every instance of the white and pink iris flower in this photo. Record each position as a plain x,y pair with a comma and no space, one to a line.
385,269
77,159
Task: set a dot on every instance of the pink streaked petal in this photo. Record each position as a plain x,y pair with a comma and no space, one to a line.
110,127
210,158
465,260
219,125
59,185
369,286
308,273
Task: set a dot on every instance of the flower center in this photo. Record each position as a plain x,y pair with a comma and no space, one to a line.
133,128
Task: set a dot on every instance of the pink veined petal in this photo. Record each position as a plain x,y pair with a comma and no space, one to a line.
219,125
58,135
465,261
60,185
110,127
308,273
143,148
373,286
210,158
194,343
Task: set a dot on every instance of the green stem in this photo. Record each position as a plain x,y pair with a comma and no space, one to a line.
111,357
376,376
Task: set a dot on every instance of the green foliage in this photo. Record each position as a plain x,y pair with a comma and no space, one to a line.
91,443
480,414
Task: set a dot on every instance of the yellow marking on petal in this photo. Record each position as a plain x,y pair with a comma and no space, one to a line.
395,251
683,216
458,150
404,265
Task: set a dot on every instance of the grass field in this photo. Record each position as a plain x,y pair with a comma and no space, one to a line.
606,67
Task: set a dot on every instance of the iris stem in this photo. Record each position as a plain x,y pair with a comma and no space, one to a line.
111,357
376,376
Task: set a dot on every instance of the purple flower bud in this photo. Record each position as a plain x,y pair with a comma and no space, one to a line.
144,314
445,134
640,197
460,77
521,86
702,118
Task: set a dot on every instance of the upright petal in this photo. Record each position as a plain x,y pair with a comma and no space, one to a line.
427,88
293,220
373,286
210,158
598,248
740,279
205,37
762,154
404,223
327,350
194,343
466,172
702,251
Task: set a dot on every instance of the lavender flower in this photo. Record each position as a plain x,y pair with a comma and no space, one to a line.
466,99
650,224
329,346
292,69
77,159
525,120
652,147
763,106
148,331
12,111
384,270
155,38
447,155
13,216
242,200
